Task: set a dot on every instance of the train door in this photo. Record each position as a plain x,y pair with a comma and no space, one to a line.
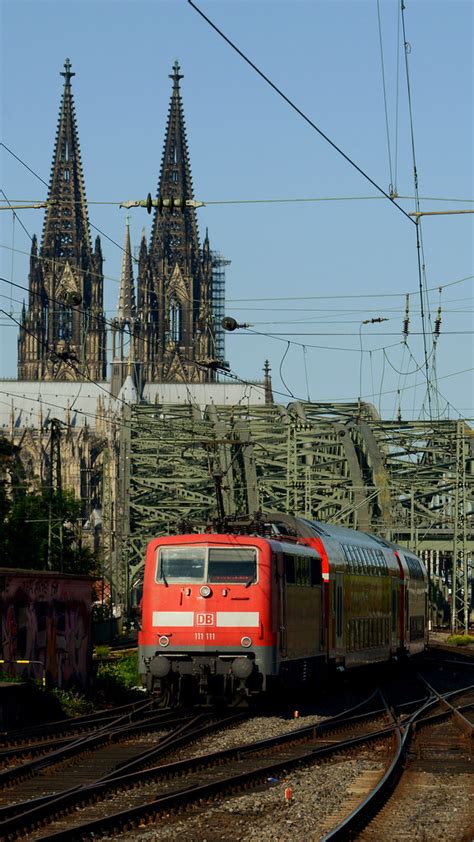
339,607
394,612
282,608
406,631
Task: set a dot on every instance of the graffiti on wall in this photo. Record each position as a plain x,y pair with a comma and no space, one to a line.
46,617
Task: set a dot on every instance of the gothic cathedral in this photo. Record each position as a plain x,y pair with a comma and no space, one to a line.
166,332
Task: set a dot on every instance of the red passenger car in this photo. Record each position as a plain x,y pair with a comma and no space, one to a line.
229,613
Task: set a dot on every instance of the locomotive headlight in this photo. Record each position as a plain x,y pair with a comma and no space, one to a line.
163,640
205,590
160,666
246,641
242,667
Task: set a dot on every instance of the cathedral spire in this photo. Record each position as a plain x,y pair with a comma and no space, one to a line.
63,336
174,283
66,226
175,182
126,307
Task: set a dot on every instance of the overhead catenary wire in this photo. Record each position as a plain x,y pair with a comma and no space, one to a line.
382,62
340,400
297,109
40,204
102,233
348,296
419,236
345,296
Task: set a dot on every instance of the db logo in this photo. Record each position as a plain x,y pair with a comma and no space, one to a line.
205,619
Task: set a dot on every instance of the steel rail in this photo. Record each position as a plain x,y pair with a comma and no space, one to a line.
182,797
69,723
66,801
181,735
111,732
379,795
456,712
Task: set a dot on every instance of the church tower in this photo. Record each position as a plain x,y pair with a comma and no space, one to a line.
62,333
174,304
125,325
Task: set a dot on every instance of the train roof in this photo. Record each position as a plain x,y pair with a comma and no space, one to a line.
304,527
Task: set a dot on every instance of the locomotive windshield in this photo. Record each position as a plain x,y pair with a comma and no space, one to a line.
181,564
236,565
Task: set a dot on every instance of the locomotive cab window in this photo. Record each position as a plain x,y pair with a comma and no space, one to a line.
181,564
238,565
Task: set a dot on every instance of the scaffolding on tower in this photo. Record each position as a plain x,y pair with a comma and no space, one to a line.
218,300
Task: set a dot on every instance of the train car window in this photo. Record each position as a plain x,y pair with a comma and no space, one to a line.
350,560
289,567
368,560
302,573
382,561
414,567
181,564
373,562
417,627
348,557
316,576
355,559
362,563
237,564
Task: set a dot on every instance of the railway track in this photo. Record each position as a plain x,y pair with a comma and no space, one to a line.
26,743
65,728
127,727
165,786
45,793
433,758
127,797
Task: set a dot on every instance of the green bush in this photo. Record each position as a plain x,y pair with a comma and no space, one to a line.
4,677
72,704
101,651
116,677
460,639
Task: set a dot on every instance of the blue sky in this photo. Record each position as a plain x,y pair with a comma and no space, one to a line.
312,265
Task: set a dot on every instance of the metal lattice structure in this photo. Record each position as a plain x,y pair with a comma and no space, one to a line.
411,482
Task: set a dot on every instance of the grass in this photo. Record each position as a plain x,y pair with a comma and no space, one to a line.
460,639
101,651
72,703
5,677
114,679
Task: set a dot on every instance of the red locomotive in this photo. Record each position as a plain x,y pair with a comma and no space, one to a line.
230,613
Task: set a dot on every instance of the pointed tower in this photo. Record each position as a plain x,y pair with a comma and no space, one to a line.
175,277
125,325
62,336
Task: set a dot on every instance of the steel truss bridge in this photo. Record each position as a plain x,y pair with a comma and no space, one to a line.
409,481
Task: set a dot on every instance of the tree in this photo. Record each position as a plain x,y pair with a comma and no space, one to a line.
39,531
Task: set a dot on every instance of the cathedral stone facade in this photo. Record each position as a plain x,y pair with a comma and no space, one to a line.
164,333
62,333
175,337
63,406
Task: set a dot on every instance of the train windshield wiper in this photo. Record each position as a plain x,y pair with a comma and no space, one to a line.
249,582
163,574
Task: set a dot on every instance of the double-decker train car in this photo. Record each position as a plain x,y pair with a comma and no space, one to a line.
224,614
